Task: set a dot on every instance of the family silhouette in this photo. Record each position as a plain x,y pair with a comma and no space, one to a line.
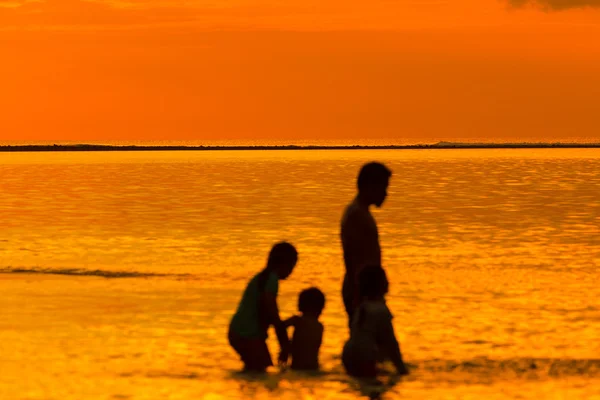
365,284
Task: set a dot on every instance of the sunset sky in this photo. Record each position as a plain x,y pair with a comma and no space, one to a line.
403,70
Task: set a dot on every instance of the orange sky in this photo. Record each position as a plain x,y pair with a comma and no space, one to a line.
408,70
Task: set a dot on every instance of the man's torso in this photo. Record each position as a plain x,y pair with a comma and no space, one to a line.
360,238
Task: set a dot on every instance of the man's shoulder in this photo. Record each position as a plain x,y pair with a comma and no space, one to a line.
353,212
349,209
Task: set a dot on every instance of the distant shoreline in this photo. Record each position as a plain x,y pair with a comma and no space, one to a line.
441,146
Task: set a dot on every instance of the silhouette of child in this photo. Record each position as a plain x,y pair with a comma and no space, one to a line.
308,331
372,337
258,310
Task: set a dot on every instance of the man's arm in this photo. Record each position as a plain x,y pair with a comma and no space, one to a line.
360,242
353,242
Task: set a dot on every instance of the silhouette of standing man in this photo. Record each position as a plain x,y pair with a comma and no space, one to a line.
360,238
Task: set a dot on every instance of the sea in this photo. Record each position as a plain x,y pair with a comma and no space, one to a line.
120,271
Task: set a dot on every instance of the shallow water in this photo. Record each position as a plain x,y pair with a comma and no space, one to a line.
121,270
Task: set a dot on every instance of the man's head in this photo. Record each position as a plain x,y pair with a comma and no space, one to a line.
373,180
282,259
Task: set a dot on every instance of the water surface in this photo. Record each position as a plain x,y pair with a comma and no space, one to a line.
493,259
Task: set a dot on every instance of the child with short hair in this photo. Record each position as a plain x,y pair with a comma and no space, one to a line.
258,310
372,337
308,331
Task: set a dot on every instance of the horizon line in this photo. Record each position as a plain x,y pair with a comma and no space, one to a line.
439,145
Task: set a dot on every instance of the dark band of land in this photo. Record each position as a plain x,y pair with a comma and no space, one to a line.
441,145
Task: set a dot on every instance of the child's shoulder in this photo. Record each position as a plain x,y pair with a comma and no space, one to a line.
314,323
293,320
379,308
308,322
267,281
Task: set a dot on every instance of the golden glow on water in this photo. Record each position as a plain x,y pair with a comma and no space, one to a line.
493,258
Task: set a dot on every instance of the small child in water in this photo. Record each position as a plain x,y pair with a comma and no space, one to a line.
372,337
258,310
308,331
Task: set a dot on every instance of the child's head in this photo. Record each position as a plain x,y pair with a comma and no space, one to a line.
373,281
282,259
311,301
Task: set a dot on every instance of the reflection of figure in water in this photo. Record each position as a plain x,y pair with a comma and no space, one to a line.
360,238
308,331
258,310
372,337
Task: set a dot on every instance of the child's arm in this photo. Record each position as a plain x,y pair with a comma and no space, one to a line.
270,302
321,334
291,321
391,345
